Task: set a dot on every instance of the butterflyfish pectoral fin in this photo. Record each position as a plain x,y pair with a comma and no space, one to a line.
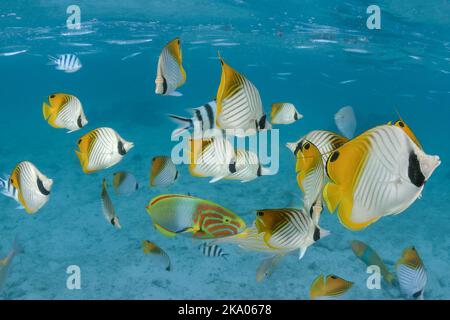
332,196
175,94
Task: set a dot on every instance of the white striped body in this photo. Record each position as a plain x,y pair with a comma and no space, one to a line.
247,166
412,281
297,231
7,189
284,113
70,116
214,159
239,105
170,73
211,250
68,63
32,187
103,149
163,172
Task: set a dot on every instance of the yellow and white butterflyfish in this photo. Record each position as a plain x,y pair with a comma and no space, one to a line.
214,157
288,229
325,141
239,105
163,171
28,186
284,113
64,111
310,177
381,172
402,125
101,148
247,167
329,288
170,73
411,274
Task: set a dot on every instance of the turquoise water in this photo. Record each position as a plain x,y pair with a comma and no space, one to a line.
305,52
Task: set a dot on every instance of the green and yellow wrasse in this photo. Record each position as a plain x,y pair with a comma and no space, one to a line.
5,263
170,73
239,105
173,214
402,125
101,148
28,186
310,177
284,113
163,172
124,183
367,255
64,111
151,248
380,172
329,287
411,274
288,228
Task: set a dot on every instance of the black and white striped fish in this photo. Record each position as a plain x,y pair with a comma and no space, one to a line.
212,250
7,188
68,63
203,120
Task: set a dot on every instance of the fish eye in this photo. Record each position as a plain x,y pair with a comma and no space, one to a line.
79,141
52,96
334,156
226,220
307,145
401,124
260,213
333,277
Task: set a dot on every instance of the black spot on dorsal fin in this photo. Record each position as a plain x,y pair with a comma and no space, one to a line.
121,148
415,175
41,187
316,235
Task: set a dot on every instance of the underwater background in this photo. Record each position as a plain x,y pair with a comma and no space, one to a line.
318,55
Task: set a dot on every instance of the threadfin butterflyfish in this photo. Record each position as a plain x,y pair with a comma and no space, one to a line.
284,113
246,167
310,177
381,172
329,288
367,255
213,157
325,141
174,214
152,249
28,186
67,62
411,274
170,72
64,111
124,183
101,148
239,106
107,207
163,172
345,121
288,228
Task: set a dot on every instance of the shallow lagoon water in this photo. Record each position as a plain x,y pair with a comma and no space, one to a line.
317,54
